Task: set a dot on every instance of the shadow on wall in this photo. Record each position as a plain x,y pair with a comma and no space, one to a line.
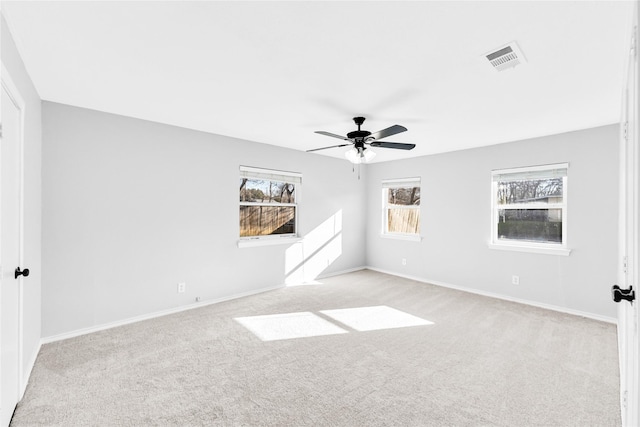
307,259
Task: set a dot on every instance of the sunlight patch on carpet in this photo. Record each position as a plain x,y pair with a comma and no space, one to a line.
375,318
289,325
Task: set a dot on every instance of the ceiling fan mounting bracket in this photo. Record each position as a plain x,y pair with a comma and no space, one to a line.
359,121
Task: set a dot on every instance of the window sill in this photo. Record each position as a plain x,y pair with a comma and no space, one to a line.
250,243
531,249
407,237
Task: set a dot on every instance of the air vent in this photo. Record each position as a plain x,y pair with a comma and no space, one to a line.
507,56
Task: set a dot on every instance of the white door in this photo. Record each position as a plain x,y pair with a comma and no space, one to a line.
10,242
629,251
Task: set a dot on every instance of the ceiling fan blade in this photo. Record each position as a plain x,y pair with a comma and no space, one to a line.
388,132
324,148
396,145
321,132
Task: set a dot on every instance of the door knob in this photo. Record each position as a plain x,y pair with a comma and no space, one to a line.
623,294
19,272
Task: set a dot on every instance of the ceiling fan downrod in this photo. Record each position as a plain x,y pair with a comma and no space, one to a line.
358,135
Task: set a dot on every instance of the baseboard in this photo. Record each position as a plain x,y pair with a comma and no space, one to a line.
97,328
341,272
501,297
24,379
110,325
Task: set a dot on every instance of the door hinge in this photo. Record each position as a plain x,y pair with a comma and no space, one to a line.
633,50
624,264
624,399
625,131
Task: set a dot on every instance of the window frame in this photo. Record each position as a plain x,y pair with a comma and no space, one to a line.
552,248
386,184
274,175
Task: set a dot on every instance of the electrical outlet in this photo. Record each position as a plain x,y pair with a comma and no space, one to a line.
404,261
515,280
182,287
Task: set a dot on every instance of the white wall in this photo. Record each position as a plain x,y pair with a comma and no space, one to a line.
32,197
455,210
131,208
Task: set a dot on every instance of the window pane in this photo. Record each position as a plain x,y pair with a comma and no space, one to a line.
403,220
267,220
404,196
530,191
536,225
265,191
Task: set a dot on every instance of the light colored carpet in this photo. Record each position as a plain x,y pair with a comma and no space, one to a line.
467,361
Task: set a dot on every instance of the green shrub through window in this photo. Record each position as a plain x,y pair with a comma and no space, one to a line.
529,205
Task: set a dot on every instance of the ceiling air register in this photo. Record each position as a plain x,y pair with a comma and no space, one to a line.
505,57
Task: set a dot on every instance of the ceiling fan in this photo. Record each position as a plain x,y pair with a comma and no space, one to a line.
361,138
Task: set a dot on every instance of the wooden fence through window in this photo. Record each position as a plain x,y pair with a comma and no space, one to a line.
404,221
266,220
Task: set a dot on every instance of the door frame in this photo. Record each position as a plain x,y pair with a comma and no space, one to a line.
629,228
8,85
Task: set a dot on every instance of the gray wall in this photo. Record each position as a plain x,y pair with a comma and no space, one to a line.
132,207
456,209
32,196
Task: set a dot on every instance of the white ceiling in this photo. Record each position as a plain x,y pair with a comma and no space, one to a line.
274,72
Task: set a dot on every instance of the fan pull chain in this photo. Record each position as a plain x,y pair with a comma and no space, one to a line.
353,169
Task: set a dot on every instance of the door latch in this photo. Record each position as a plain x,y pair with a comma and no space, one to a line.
623,294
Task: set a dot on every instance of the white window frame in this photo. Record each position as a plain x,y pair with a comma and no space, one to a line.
399,183
278,176
523,245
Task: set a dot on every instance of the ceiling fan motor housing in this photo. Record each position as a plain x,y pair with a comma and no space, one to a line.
358,134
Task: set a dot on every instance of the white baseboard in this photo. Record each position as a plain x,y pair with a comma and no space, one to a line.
24,379
338,273
97,328
501,297
89,330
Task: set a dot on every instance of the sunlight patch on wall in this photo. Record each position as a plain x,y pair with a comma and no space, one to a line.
375,318
290,325
307,259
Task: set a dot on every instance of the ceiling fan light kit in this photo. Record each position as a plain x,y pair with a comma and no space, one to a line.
359,155
358,139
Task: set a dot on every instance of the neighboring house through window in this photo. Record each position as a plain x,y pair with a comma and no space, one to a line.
529,207
401,208
268,203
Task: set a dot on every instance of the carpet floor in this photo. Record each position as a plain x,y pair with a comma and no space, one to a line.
360,349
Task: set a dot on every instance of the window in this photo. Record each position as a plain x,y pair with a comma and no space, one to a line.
268,203
530,207
401,208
